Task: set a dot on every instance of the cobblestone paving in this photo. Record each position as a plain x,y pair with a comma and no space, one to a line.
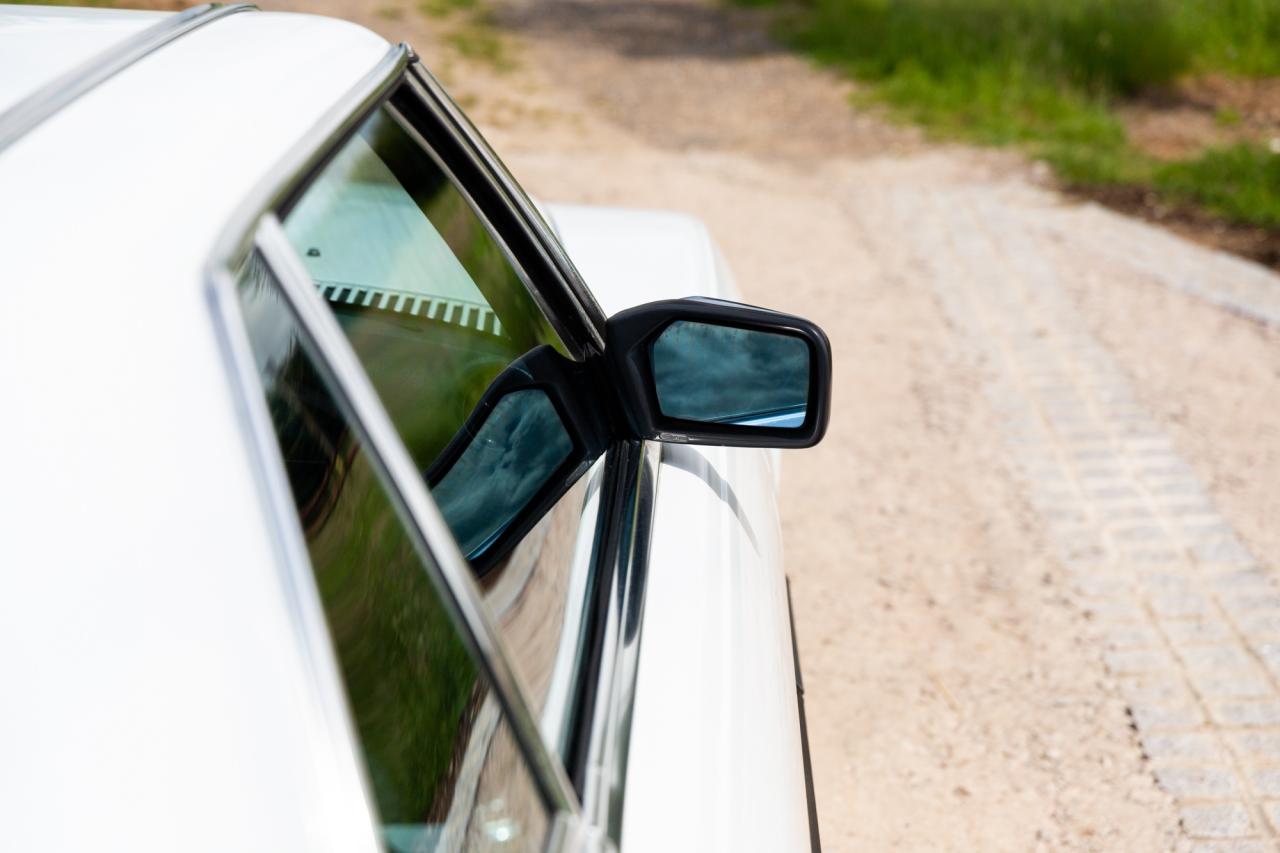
1187,621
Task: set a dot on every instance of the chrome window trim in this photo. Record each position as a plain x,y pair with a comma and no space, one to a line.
608,749
423,521
228,255
590,314
35,108
349,784
571,833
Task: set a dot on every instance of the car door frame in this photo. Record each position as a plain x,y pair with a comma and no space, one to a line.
584,788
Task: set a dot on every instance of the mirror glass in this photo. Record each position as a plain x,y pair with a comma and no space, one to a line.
727,375
488,476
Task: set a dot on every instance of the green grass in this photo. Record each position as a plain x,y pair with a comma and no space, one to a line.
444,8
1047,75
472,32
480,40
1241,183
1239,36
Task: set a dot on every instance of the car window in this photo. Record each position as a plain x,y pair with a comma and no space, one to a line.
435,312
440,317
442,763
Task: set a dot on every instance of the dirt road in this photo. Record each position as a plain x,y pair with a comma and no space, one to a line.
1033,560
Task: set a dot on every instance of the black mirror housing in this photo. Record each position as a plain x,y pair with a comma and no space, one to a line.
708,371
689,371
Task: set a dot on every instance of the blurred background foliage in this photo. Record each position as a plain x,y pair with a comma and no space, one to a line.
1072,82
1165,108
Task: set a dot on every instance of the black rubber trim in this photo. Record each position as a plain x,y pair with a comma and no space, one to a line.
815,841
617,490
563,307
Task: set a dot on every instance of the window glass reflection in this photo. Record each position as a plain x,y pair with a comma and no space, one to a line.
434,310
443,767
499,470
436,313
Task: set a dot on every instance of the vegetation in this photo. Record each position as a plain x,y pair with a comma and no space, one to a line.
1241,183
473,33
1048,75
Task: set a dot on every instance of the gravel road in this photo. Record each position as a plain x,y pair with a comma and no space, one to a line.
1032,562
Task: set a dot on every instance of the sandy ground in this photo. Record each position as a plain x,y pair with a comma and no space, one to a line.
960,692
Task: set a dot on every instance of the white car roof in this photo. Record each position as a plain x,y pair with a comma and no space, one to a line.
39,43
157,694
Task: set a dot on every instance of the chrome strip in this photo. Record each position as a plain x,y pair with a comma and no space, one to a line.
589,311
609,750
571,834
424,523
228,255
349,785
29,112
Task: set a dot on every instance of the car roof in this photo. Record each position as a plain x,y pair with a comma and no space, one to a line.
40,43
233,96
151,661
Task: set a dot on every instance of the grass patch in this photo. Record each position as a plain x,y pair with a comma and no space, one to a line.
470,30
1046,75
1238,36
1240,183
445,8
480,40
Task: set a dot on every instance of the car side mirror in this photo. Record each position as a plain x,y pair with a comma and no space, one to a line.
708,371
695,371
527,440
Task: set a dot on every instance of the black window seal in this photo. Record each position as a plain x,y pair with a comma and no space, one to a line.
548,254
601,741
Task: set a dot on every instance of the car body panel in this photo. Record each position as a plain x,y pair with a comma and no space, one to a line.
715,741
40,43
632,256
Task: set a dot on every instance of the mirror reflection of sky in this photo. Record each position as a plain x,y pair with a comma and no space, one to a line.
723,374
511,457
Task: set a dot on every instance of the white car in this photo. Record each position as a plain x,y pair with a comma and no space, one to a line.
338,514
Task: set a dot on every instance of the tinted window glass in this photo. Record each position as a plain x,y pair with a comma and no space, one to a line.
436,312
517,448
430,302
442,763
